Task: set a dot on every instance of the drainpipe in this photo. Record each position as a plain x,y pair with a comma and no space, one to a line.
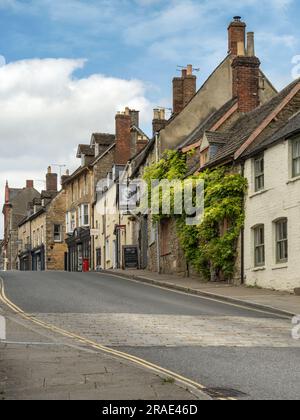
243,238
157,230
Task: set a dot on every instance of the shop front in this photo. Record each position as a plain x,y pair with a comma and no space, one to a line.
38,259
79,250
25,261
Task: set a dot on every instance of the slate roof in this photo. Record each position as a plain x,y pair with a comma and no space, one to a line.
86,150
247,123
104,138
218,137
208,123
291,128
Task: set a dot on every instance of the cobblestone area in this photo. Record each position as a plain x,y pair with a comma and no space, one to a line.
39,368
164,330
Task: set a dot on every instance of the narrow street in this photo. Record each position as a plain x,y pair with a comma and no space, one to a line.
245,353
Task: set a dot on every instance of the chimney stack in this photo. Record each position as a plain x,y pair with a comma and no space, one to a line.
250,44
159,120
135,117
236,34
51,180
6,192
123,137
29,184
184,88
246,82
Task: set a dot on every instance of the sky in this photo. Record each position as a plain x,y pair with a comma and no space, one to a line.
67,66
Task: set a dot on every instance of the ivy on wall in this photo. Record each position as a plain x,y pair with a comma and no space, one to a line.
210,247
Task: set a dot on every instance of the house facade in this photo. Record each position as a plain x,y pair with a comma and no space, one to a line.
41,233
14,210
272,224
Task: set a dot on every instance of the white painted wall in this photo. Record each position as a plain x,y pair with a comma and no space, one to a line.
281,198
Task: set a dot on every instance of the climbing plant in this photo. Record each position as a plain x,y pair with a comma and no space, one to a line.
210,246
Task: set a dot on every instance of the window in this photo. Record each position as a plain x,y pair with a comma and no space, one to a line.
281,227
296,157
259,174
85,215
73,221
107,250
259,246
57,233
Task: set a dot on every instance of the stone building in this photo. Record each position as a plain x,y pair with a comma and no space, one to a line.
101,160
1,255
41,232
14,210
236,86
113,224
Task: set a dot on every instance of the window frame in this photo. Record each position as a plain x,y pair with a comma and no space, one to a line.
259,245
60,233
295,159
259,175
281,241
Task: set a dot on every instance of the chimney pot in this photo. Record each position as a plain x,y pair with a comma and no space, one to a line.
29,184
250,44
240,49
189,70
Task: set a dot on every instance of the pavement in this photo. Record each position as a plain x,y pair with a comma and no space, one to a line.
35,365
281,303
228,349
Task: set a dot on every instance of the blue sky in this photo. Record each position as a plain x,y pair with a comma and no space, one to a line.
71,64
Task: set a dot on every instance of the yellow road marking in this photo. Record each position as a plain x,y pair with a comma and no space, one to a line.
141,362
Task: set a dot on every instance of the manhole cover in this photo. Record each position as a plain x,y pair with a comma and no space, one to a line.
224,393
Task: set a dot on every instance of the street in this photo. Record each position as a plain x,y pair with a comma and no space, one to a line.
242,353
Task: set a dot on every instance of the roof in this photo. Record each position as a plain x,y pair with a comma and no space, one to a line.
208,123
85,149
290,129
103,138
218,137
247,123
138,160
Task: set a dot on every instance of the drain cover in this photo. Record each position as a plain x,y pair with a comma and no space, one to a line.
224,393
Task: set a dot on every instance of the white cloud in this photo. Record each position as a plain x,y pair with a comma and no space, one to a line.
46,112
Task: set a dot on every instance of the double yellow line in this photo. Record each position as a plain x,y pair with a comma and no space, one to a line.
181,380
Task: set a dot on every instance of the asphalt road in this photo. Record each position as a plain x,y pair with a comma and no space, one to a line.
241,368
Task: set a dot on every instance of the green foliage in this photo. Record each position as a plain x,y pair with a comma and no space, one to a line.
210,246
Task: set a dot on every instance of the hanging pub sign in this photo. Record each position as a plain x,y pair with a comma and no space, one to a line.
131,256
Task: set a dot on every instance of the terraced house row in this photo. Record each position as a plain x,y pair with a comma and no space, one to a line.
237,120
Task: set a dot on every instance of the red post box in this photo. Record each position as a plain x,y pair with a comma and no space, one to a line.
86,265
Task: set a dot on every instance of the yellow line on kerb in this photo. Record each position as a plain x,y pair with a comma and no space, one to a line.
141,362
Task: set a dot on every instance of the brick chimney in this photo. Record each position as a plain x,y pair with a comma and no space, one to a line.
246,77
159,120
6,192
236,34
29,184
184,88
51,180
123,137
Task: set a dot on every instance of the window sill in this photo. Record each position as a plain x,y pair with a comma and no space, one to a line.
258,193
258,269
293,180
280,267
